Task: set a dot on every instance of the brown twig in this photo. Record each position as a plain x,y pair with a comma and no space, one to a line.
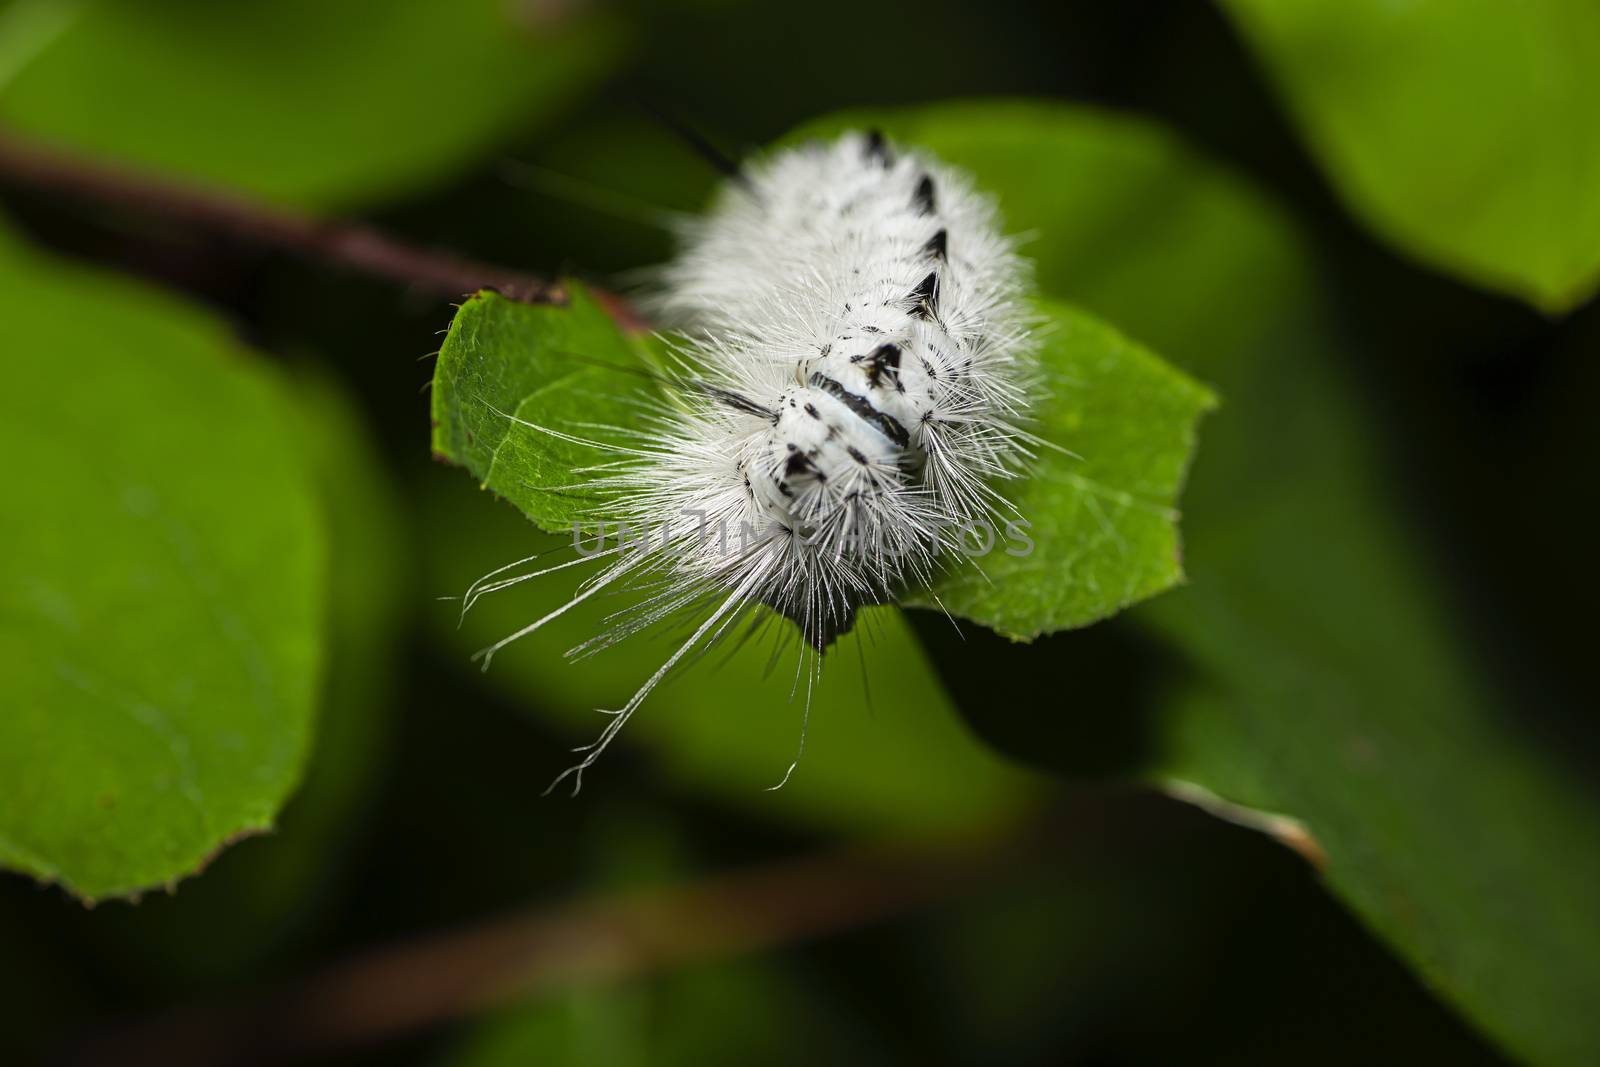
391,991
347,245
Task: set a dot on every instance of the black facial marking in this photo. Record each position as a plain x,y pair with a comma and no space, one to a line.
884,423
884,363
937,246
924,299
855,454
922,197
811,409
878,149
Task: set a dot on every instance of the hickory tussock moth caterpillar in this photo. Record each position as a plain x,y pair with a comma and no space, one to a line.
853,385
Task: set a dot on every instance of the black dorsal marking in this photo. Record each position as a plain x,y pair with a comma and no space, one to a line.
883,422
800,463
877,149
924,299
922,198
938,246
884,362
737,402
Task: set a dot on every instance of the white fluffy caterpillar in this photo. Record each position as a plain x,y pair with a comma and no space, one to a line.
858,371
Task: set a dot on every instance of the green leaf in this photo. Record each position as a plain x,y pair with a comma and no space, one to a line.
1463,131
1102,521
296,101
555,366
1337,692
1324,681
272,889
161,566
370,596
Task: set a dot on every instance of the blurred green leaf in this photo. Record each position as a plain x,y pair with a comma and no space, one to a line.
712,1011
161,556
1463,131
257,896
297,101
1102,522
1328,683
261,899
1338,691
745,1012
369,589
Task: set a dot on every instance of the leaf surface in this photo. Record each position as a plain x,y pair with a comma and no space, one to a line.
1100,507
301,102
1464,132
161,601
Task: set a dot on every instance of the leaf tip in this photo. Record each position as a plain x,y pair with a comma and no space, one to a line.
1285,829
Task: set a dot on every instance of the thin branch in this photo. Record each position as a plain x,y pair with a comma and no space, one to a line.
347,245
388,992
